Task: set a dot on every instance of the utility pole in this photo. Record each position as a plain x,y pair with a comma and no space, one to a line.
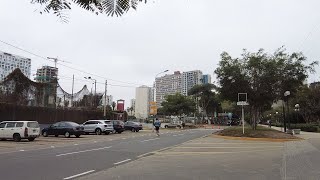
72,90
105,101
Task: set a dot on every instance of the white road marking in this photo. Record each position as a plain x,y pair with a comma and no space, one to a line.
76,144
124,138
121,161
21,150
95,141
174,135
77,175
52,146
77,152
149,140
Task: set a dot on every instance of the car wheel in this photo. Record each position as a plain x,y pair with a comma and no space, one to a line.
78,135
56,135
133,129
166,126
137,130
31,139
67,134
16,137
45,134
119,132
107,133
86,133
98,131
3,139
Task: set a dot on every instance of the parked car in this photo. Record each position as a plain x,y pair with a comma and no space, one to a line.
98,127
133,126
18,130
118,126
171,125
65,128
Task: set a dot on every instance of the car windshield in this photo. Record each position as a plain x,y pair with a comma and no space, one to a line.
33,124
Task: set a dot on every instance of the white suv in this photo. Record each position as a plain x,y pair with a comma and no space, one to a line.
18,130
98,126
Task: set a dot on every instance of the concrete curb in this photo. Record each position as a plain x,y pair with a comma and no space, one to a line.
256,139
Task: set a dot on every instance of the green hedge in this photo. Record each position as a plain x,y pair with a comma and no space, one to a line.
303,127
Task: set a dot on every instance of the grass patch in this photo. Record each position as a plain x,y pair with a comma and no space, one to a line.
260,132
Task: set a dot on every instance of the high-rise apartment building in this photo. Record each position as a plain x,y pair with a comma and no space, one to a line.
189,79
46,74
167,85
206,79
142,102
9,62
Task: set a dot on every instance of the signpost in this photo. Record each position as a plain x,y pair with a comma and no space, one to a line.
242,101
153,108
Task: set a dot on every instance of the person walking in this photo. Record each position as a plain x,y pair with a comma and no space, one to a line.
157,125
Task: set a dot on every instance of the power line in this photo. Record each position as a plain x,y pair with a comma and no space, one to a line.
68,66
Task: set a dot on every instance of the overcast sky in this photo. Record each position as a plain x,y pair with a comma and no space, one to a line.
162,34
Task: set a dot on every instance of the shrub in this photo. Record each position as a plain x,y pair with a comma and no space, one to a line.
305,127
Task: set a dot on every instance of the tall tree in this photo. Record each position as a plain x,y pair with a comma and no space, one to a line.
108,7
177,105
263,76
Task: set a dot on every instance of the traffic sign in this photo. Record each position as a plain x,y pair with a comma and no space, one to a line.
242,103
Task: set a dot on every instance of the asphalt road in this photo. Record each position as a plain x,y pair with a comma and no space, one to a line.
74,160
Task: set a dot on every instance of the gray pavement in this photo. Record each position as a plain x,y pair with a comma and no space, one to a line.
213,157
77,157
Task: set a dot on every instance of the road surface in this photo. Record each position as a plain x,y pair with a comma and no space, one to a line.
75,160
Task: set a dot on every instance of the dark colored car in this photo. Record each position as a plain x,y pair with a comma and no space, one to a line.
65,128
118,126
133,126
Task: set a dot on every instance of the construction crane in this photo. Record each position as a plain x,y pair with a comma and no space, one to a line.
56,61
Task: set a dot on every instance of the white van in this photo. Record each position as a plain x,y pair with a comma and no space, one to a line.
18,130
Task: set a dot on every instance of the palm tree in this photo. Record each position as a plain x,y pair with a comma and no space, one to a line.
109,7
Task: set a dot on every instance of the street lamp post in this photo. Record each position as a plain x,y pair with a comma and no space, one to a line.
297,109
95,88
286,97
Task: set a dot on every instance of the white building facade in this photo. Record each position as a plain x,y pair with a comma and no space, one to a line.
189,79
9,62
167,85
142,102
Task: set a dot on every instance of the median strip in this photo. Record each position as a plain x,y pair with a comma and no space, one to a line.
89,150
77,175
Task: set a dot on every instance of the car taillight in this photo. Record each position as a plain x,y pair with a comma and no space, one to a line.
26,132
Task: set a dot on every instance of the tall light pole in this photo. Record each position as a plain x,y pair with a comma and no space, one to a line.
105,101
297,109
286,98
95,89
